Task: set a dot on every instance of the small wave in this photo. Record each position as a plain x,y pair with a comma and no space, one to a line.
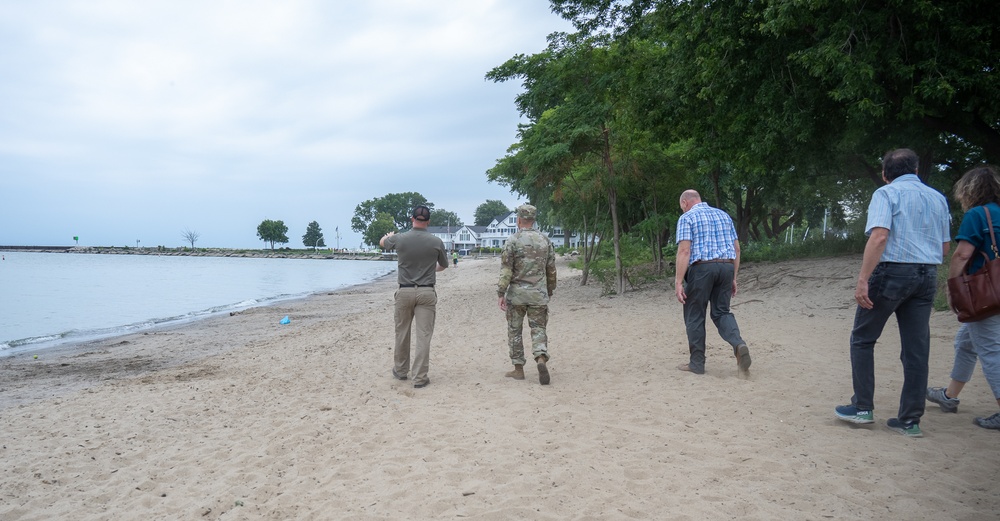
12,344
37,343
76,335
11,347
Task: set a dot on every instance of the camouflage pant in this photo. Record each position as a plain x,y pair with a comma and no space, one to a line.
538,318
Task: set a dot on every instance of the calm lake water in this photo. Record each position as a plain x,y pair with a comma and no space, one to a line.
48,299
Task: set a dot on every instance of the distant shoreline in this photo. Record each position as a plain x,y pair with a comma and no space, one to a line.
203,252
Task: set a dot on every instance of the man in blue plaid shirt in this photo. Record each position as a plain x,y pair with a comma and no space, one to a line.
708,260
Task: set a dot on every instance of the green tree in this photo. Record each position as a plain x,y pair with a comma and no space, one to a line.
314,236
582,133
488,210
777,111
397,206
272,232
441,217
381,225
913,72
776,93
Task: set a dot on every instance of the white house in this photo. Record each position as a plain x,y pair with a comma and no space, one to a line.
446,234
499,229
558,237
495,234
467,237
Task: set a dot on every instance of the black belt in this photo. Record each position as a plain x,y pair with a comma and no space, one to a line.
416,286
888,263
713,261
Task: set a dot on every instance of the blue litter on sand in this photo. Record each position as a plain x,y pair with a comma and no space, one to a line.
286,320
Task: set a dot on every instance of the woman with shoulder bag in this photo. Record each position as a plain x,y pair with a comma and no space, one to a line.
978,191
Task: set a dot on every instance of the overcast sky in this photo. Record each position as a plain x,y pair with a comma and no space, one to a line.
124,121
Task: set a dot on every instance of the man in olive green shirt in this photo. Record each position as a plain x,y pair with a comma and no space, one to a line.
420,255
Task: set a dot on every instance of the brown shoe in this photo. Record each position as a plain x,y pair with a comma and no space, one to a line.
517,373
543,372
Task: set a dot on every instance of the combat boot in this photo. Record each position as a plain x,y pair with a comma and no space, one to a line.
517,373
543,372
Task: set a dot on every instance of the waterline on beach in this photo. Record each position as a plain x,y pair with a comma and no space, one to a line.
51,299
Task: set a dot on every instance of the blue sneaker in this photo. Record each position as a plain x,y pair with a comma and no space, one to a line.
910,430
850,413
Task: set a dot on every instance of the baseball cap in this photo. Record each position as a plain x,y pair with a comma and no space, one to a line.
421,213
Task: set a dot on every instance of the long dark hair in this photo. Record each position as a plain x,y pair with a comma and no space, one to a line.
977,187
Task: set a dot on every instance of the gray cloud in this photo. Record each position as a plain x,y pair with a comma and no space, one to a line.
134,120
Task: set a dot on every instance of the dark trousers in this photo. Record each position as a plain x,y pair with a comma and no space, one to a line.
708,284
908,291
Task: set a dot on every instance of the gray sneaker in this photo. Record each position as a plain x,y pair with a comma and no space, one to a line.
990,422
936,395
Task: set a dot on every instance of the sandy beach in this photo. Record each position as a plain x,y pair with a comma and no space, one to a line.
240,417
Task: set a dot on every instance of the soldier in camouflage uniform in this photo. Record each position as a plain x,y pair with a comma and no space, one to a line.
527,280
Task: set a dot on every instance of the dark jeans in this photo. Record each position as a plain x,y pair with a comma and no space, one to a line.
704,284
908,291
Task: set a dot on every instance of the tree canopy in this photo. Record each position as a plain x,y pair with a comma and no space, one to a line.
488,210
272,232
313,237
382,225
778,111
395,210
442,217
397,206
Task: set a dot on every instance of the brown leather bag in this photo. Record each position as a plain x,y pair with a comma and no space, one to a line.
977,296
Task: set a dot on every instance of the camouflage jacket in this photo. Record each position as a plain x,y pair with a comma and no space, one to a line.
528,274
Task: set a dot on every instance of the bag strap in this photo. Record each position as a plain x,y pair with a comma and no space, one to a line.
993,237
993,245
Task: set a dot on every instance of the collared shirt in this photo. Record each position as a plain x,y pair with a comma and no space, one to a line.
711,232
418,252
917,218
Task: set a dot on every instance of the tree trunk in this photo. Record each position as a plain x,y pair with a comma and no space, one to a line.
743,213
619,269
586,253
613,201
875,174
589,252
656,242
925,166
657,254
777,227
715,186
976,132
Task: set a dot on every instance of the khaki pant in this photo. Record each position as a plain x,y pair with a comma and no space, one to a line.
419,307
